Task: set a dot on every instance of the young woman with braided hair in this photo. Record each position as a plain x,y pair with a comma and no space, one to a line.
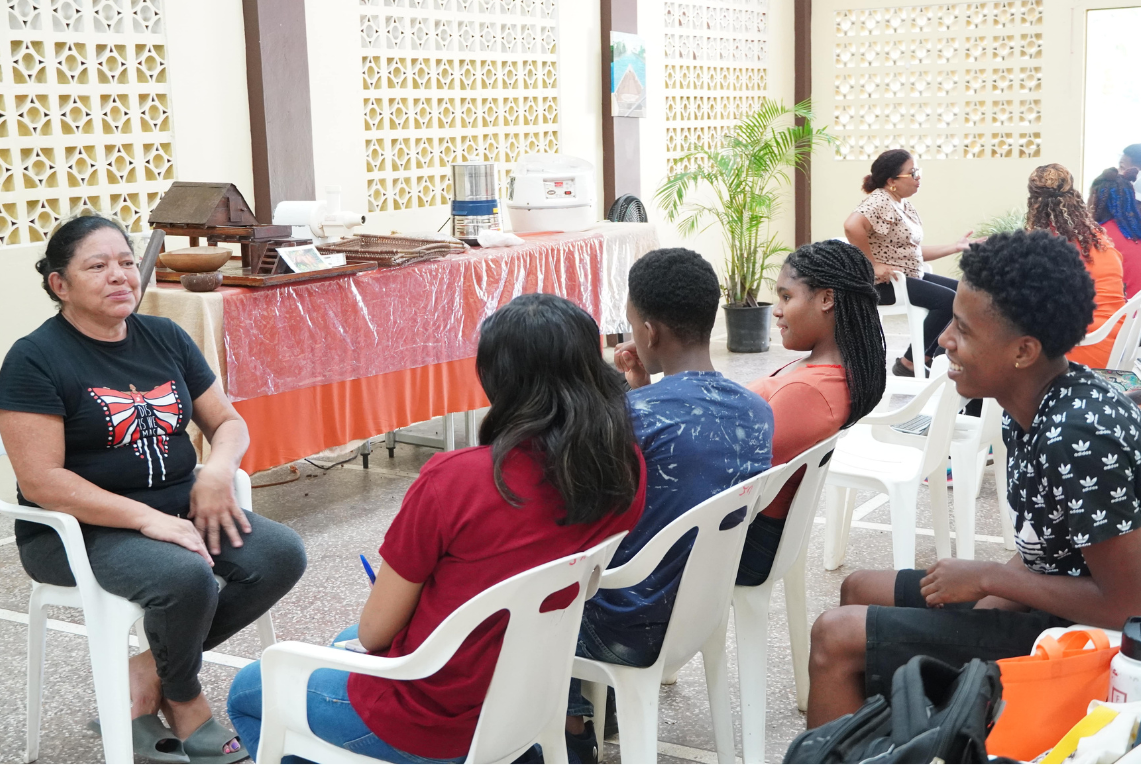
1055,205
826,305
1113,204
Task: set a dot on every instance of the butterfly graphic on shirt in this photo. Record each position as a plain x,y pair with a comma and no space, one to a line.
143,421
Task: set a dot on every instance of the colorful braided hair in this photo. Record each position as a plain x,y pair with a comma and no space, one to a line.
1111,197
1055,205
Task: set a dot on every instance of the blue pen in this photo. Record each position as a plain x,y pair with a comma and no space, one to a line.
368,569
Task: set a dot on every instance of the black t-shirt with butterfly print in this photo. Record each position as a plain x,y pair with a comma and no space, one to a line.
1072,477
125,406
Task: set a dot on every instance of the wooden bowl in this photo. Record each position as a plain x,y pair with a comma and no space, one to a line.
202,282
196,260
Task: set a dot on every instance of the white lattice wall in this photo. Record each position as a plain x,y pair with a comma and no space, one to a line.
716,52
947,81
84,113
453,80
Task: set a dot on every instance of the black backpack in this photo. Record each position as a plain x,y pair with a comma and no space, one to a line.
937,714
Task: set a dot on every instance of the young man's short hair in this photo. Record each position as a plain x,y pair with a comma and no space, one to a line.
1038,282
678,288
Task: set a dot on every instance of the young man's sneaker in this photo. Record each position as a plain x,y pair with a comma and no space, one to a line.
583,747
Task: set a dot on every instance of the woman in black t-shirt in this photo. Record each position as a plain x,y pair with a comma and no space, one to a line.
94,406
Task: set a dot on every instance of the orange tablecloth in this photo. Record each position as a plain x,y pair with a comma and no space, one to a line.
320,364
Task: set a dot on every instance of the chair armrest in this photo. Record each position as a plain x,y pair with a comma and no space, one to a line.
67,526
648,558
909,410
899,282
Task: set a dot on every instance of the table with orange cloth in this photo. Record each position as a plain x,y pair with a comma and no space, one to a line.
319,364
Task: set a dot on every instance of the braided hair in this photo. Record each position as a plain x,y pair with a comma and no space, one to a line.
1111,197
1055,205
842,268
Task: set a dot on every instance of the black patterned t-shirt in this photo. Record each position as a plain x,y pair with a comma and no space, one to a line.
1072,477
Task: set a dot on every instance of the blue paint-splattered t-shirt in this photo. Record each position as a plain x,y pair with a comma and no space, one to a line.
700,434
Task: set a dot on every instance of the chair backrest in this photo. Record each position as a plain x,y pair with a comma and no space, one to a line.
802,511
706,587
533,672
1125,344
942,429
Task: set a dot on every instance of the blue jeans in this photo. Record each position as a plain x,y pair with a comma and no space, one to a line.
591,646
331,716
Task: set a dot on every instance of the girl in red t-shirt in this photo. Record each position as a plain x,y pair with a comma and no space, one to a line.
826,305
558,472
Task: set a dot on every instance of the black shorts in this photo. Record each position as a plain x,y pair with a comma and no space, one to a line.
955,633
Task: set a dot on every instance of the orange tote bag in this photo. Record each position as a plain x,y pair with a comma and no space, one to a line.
1047,693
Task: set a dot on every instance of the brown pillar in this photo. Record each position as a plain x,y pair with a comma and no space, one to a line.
281,126
621,136
802,89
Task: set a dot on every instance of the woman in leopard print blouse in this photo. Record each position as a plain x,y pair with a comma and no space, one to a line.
887,228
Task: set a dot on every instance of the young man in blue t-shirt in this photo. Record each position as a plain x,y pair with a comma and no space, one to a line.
700,434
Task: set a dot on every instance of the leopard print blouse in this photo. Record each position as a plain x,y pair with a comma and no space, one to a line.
895,240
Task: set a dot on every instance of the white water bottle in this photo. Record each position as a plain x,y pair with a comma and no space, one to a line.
1125,669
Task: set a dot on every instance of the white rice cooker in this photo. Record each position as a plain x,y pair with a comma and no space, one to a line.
551,192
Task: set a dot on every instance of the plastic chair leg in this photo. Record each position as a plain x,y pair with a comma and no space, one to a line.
595,693
837,517
1003,506
937,489
141,636
918,350
107,641
796,607
903,498
751,621
964,466
637,696
265,630
554,741
37,635
716,662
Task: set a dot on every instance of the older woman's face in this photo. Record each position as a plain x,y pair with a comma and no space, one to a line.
905,184
102,278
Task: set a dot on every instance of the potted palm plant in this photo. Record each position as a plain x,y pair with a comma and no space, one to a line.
740,185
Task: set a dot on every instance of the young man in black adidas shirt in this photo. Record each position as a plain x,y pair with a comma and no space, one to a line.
1074,462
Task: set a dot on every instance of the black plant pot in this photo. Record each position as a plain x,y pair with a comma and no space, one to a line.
748,327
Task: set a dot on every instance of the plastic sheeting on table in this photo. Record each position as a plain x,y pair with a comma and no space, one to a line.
284,338
625,243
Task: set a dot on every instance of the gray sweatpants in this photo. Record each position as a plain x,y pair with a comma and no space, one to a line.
185,614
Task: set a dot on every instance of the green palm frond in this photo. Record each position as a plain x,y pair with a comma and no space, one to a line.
746,176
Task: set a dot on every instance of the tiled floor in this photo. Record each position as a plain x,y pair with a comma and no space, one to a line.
345,511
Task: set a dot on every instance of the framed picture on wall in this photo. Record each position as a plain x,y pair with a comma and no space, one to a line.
627,75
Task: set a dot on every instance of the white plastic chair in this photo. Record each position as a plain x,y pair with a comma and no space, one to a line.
108,620
526,701
915,318
872,456
698,623
973,437
1124,352
751,604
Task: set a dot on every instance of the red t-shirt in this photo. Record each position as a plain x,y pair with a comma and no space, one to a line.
809,405
457,535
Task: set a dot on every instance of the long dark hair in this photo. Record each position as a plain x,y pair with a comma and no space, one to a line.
1111,197
540,363
886,167
63,243
842,268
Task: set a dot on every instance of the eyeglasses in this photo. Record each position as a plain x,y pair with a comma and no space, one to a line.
915,173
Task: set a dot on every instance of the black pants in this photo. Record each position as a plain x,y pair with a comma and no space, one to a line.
184,613
933,292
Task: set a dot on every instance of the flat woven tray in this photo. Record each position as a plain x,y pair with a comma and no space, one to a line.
388,251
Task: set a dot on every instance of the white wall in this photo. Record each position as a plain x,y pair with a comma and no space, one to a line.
205,48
